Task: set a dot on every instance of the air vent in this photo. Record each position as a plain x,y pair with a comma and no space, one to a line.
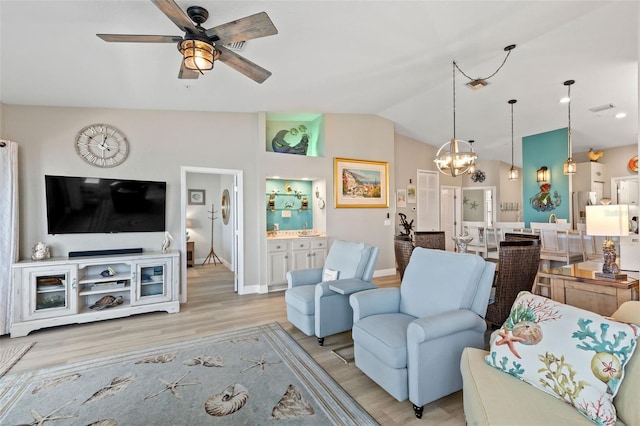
237,46
602,108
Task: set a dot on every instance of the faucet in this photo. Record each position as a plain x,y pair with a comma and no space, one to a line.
553,218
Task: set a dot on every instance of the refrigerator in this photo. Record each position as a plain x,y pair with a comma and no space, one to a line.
581,199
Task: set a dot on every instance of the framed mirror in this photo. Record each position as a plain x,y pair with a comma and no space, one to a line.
226,206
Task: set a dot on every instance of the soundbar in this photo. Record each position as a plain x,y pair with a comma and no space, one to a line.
85,253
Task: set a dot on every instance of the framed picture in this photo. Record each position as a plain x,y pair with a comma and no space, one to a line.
401,198
361,183
411,193
196,196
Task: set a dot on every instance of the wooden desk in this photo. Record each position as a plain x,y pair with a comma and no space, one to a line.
190,252
578,286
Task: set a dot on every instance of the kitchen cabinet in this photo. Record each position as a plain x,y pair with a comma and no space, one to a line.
293,253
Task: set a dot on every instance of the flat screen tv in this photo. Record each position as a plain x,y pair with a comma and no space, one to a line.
77,205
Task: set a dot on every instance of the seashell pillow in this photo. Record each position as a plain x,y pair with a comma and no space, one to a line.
575,355
329,275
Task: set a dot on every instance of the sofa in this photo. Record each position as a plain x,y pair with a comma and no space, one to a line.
491,397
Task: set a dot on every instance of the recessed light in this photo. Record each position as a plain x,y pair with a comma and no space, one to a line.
621,115
564,100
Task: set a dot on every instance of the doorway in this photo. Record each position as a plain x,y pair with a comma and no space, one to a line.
233,208
450,214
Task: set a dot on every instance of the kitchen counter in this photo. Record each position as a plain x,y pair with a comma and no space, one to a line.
287,235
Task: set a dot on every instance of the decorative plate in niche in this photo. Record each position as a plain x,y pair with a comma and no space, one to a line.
226,207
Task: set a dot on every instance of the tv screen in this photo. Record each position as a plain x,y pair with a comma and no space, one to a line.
78,205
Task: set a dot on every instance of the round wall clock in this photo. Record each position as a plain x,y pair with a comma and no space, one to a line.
102,145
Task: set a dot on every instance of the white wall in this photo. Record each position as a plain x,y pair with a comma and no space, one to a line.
163,141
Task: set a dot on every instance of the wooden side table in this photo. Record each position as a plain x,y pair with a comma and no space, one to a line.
578,286
190,252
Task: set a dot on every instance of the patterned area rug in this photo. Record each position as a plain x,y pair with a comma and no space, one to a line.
10,354
258,375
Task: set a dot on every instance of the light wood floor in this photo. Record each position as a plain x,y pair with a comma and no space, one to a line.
213,307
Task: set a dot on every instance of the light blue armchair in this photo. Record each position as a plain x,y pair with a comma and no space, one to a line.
409,340
318,299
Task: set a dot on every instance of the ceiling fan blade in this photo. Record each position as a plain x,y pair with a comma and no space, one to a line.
177,15
137,38
243,29
187,74
245,66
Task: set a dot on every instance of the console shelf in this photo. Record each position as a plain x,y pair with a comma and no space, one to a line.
61,291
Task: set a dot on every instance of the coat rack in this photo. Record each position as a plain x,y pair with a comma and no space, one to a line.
212,254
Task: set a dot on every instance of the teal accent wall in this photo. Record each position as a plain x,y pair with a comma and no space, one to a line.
288,201
545,149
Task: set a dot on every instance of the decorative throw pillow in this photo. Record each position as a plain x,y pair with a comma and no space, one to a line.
573,354
329,275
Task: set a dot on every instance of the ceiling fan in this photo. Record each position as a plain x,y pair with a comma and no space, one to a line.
201,47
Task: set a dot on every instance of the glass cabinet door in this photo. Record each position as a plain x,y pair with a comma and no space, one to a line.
152,282
50,291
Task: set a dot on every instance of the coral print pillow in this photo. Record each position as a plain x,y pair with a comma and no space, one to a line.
575,355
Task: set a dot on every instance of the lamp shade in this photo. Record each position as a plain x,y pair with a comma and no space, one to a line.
611,220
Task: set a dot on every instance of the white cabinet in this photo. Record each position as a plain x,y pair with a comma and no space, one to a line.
153,281
308,253
291,254
589,177
47,292
317,253
278,263
78,290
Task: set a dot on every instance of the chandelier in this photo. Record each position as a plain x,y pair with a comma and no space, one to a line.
455,157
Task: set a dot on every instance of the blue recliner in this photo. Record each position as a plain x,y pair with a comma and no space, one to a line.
318,299
409,340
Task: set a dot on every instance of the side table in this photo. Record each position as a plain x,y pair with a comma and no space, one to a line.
578,286
190,252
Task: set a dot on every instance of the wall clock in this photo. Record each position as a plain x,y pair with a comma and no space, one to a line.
102,145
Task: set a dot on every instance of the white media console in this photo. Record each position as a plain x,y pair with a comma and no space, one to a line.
60,291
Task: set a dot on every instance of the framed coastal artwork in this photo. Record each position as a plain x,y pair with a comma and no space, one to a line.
196,196
361,183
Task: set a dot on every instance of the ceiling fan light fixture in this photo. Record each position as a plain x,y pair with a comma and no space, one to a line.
199,55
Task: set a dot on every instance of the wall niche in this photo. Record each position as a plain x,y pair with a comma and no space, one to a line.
295,133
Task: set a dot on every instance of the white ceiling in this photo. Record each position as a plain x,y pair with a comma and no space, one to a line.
390,58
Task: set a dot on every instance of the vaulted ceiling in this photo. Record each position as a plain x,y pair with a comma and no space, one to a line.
390,58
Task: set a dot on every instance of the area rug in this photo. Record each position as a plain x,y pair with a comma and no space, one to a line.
259,375
11,353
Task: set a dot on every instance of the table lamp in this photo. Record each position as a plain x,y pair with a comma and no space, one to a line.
608,221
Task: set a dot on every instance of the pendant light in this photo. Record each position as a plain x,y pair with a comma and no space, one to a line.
455,157
513,172
570,166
